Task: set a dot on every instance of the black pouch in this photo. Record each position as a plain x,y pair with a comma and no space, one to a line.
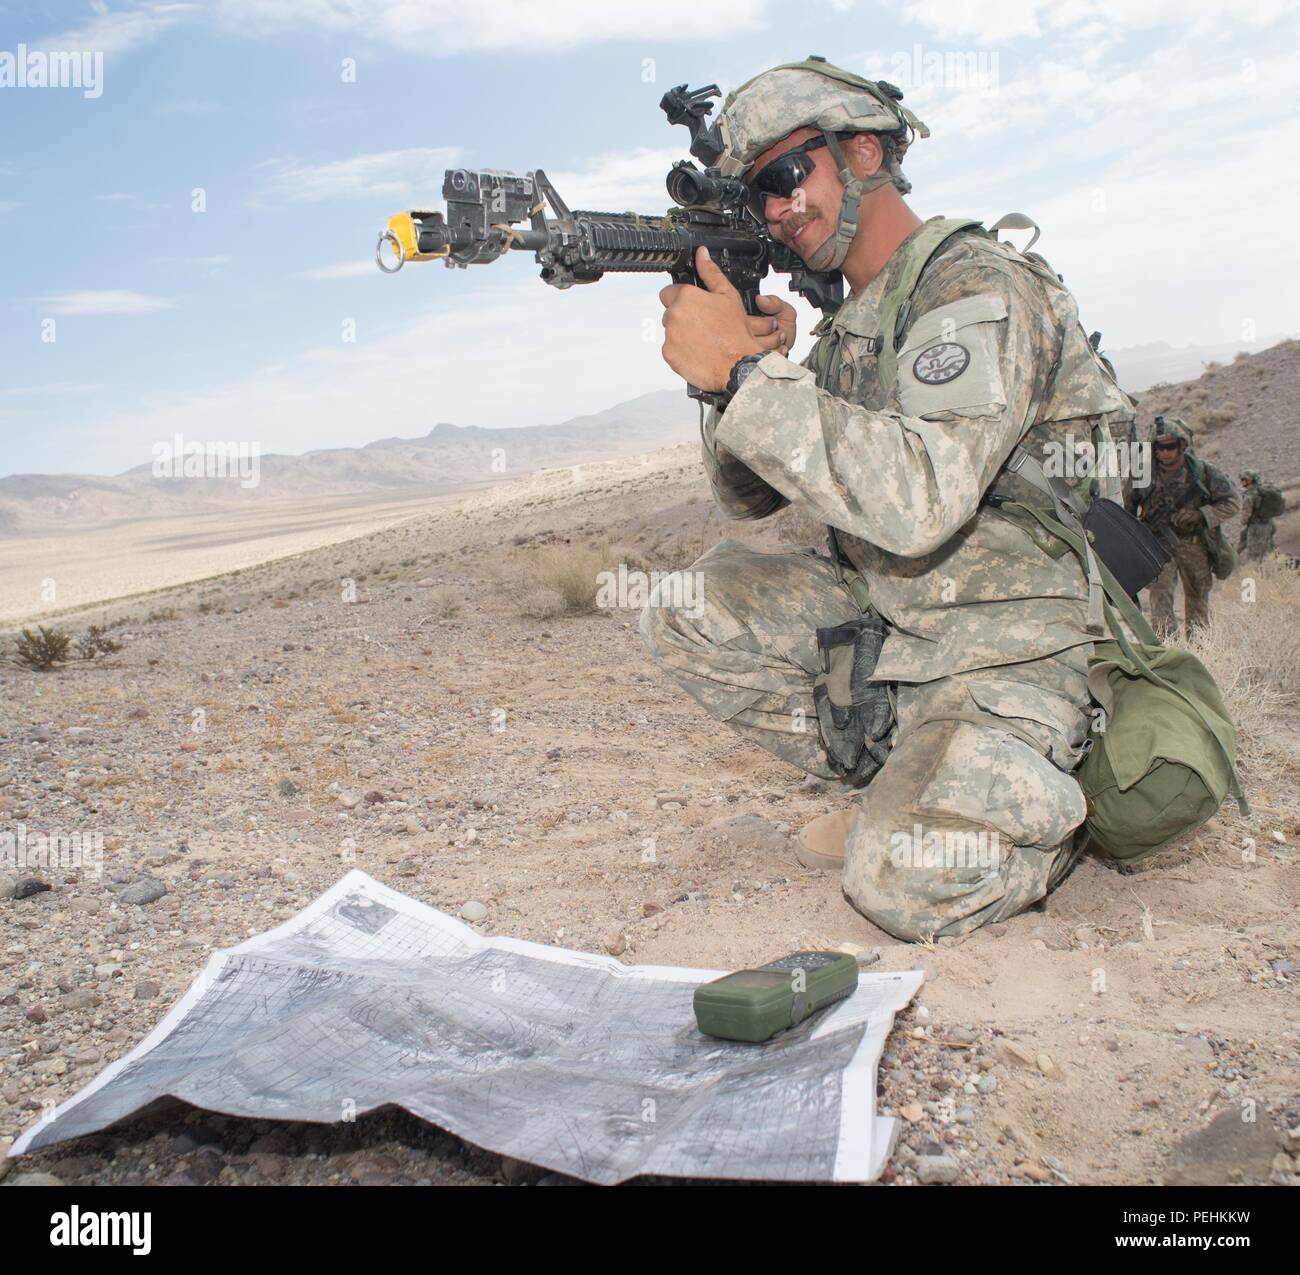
854,714
1125,544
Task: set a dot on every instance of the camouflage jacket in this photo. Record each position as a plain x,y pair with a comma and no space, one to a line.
1217,498
901,473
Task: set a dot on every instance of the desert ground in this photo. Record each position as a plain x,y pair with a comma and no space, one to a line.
452,728
46,574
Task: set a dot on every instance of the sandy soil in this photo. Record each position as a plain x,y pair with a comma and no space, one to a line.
431,735
43,576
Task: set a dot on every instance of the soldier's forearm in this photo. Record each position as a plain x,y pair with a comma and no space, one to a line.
737,490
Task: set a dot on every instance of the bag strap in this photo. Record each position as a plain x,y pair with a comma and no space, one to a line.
1063,501
896,306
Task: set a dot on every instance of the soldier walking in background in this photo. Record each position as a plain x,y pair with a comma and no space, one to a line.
1261,504
1185,505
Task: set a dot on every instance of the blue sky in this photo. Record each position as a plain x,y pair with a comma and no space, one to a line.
1154,142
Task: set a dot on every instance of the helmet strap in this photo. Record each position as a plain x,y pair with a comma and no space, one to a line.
831,254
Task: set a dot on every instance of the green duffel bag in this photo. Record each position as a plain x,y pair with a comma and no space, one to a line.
1162,754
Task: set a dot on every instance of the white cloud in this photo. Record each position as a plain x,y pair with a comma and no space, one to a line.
105,302
415,172
442,28
113,31
998,22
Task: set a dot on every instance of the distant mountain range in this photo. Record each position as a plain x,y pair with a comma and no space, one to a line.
1139,367
447,458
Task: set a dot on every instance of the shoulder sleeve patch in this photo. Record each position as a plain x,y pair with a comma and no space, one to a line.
949,361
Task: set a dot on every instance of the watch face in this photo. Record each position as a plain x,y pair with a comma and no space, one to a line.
744,368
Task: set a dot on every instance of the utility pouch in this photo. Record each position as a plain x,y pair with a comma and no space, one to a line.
854,714
1125,544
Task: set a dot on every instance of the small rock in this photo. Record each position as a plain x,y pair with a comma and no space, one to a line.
651,908
146,890
407,868
1047,1066
519,1172
615,944
751,832
82,998
34,1179
473,911
28,886
932,1169
912,1112
1016,1055
288,788
146,989
37,1014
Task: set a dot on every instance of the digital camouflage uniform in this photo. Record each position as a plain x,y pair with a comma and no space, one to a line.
1258,536
988,644
1190,561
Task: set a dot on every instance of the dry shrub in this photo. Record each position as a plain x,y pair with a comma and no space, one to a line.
569,570
447,601
1211,418
1252,647
541,604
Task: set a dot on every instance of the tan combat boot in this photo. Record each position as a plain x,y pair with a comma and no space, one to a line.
821,843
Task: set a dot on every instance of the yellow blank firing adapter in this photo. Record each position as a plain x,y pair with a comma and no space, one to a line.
403,233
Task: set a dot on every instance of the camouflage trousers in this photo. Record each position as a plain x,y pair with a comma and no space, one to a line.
970,820
1259,541
1190,564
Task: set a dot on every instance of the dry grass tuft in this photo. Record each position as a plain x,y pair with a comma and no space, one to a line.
1252,647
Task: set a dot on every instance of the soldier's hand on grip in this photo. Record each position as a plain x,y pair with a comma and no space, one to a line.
778,319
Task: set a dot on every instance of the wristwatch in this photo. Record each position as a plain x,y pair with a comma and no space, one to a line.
742,368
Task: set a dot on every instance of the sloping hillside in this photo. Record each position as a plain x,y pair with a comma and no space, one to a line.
1244,415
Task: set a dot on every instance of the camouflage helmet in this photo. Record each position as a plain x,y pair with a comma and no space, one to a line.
1174,427
1248,476
815,94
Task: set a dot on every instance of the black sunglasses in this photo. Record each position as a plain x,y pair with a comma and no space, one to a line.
783,176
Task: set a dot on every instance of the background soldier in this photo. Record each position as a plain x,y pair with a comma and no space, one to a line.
951,350
1185,505
1260,506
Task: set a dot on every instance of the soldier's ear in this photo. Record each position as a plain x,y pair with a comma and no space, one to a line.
866,152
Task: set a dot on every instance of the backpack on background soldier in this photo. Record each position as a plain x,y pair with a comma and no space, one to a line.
1272,503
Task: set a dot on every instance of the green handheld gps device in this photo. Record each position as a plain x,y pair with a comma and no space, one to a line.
753,1005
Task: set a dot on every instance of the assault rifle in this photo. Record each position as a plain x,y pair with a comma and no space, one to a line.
487,209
